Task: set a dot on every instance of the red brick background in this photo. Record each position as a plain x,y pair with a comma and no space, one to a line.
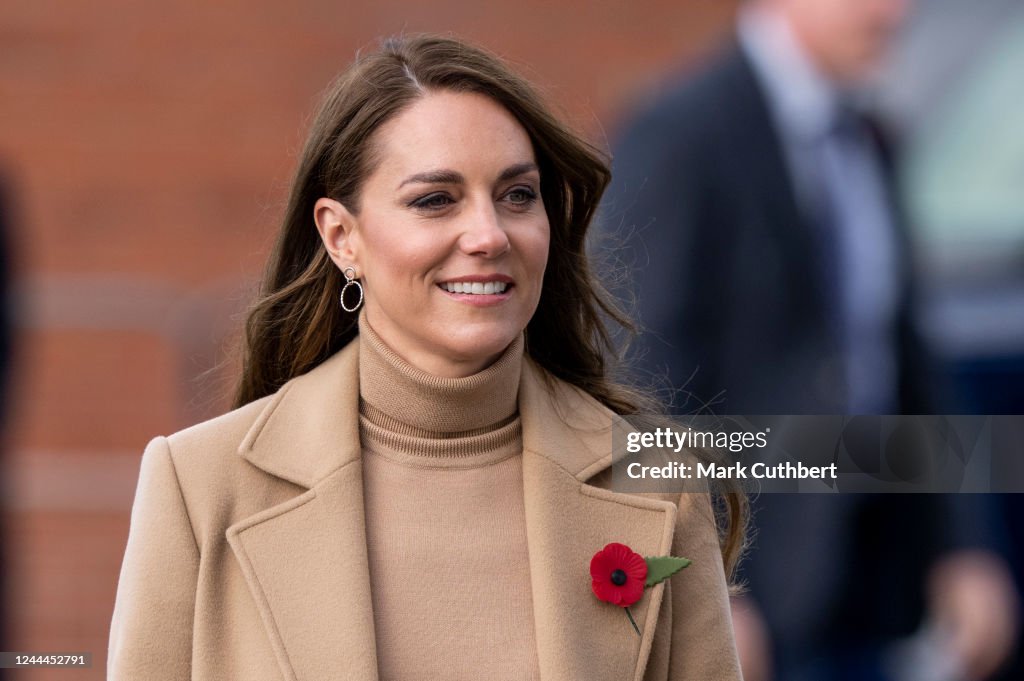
147,148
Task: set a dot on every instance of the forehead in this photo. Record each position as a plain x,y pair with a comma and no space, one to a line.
462,131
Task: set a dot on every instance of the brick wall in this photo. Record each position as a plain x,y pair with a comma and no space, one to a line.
147,148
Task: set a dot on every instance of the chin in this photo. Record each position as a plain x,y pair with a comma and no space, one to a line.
480,343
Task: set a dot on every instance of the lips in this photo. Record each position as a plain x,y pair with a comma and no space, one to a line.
478,284
475,287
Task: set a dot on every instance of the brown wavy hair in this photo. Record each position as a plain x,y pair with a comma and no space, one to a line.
296,322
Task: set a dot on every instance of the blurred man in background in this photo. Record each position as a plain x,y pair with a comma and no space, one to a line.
772,275
761,194
6,335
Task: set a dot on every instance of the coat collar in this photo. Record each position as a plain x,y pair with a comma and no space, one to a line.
313,590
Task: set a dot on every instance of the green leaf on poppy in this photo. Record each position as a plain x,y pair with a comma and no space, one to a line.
660,568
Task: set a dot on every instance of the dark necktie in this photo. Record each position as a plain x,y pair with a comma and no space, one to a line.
858,269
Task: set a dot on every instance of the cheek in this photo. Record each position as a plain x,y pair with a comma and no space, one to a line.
536,262
539,249
393,260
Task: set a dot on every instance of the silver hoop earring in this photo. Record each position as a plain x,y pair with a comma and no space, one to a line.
350,280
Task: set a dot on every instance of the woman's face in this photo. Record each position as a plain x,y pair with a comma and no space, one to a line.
451,237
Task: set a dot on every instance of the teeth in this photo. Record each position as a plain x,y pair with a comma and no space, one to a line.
475,287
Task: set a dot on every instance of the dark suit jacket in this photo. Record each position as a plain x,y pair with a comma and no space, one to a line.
725,267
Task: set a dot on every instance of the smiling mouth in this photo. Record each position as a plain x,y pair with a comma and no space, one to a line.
478,288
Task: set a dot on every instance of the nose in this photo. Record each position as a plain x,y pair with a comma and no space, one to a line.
483,233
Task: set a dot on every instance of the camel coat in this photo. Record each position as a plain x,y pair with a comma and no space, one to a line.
247,560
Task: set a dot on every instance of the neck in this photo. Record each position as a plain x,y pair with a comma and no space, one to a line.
437,404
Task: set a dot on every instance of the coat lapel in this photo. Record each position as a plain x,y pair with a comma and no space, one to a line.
305,560
567,440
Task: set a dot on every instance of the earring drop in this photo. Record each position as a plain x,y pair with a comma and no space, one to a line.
350,280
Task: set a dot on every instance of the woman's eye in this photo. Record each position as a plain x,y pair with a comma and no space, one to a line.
521,196
432,202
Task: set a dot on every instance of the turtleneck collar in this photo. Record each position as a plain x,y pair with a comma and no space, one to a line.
423,405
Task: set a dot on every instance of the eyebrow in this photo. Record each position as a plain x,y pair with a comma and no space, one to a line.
452,177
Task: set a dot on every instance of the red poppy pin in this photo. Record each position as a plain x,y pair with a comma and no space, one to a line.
619,575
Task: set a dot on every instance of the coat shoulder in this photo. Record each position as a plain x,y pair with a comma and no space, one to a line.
687,111
226,430
219,487
204,445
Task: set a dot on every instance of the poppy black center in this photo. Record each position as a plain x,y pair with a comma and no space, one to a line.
618,578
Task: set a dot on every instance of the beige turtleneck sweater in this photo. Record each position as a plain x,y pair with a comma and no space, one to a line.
445,522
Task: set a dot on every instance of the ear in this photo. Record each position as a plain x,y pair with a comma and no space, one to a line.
339,231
